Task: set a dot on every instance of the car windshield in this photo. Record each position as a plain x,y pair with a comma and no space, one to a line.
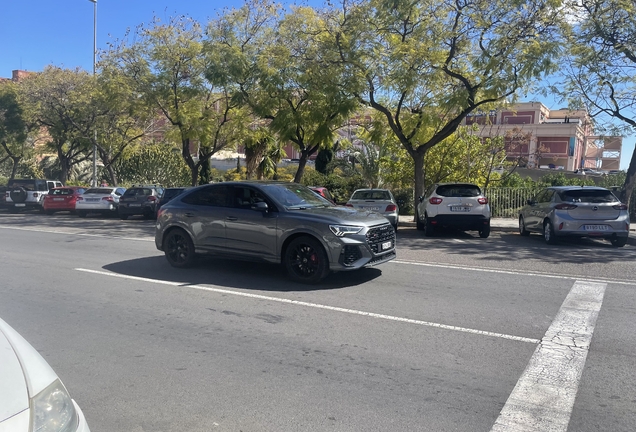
371,195
457,191
587,196
294,196
99,191
137,192
26,184
61,192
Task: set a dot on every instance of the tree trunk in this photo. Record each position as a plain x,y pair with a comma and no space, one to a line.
418,159
14,168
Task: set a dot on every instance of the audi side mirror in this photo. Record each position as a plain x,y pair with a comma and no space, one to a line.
260,206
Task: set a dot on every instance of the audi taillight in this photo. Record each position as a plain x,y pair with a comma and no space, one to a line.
565,206
482,200
620,207
435,200
391,207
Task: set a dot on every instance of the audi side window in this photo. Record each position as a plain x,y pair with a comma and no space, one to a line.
210,196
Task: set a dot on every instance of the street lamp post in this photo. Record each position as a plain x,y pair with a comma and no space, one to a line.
94,180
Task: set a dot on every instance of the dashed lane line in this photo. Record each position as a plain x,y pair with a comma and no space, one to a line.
50,231
314,305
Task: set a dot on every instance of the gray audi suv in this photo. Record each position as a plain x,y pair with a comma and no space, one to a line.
276,222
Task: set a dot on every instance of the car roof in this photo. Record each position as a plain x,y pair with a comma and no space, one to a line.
565,188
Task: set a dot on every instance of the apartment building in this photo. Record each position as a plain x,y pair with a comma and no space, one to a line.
542,138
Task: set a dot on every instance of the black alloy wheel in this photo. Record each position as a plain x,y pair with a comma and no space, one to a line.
179,249
306,260
618,241
484,232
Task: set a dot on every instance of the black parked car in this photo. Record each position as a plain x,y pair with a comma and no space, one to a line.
140,200
168,194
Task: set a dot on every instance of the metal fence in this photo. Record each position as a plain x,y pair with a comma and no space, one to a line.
506,202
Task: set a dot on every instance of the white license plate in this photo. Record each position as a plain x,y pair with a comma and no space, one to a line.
371,208
460,209
134,205
595,227
92,199
20,205
386,245
58,199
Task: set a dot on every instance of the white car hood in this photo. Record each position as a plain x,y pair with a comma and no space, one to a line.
23,372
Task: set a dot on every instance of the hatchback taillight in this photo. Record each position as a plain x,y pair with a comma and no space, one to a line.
620,207
391,207
482,200
565,206
435,200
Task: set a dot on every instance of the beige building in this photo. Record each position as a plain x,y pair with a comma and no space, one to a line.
544,138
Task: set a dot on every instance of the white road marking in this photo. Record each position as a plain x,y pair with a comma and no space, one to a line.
315,305
515,273
108,236
459,241
544,396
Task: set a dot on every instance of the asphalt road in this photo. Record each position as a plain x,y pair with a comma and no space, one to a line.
458,334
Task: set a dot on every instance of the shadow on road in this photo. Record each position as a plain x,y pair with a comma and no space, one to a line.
510,246
236,274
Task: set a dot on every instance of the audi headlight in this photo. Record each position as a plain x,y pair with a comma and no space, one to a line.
343,230
53,410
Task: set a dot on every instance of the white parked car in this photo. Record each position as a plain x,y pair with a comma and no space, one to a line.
455,205
103,200
32,397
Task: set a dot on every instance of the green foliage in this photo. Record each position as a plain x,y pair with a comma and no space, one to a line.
341,187
153,164
404,198
322,160
560,179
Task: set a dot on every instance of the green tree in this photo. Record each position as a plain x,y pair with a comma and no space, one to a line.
58,100
153,163
602,66
426,65
279,70
166,64
13,127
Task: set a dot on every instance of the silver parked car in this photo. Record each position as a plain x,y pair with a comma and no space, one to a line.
103,200
275,222
583,211
376,200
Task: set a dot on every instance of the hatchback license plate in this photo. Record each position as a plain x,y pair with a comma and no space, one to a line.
58,199
372,208
595,227
460,209
134,205
386,245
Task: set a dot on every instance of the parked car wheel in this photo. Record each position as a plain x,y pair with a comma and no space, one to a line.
418,223
49,212
306,260
522,227
485,231
429,229
82,213
619,241
548,233
179,249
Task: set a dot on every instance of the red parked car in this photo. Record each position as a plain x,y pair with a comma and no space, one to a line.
62,199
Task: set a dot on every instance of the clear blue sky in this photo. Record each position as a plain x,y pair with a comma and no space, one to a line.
37,33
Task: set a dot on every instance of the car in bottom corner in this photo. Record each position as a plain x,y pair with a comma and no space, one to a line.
276,222
32,396
102,200
576,211
461,206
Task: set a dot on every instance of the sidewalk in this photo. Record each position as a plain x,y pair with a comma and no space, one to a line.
507,225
